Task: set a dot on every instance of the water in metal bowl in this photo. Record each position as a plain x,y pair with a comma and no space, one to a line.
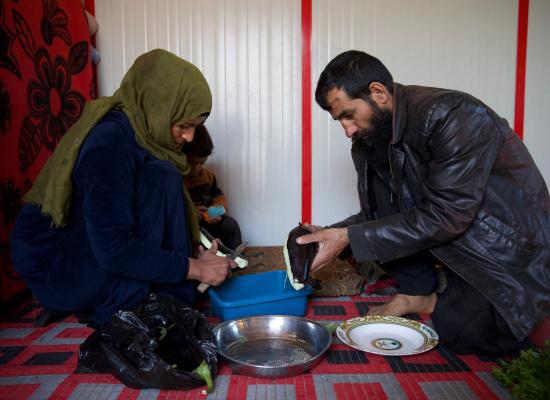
272,346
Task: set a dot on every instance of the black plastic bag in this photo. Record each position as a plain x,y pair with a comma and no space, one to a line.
161,344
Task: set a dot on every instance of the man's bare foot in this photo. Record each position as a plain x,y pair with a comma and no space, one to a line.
403,304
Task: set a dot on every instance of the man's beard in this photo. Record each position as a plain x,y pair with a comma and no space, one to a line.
381,126
377,137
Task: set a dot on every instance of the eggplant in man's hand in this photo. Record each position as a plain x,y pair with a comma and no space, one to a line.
298,257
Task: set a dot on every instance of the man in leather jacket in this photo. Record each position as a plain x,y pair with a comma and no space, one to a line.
442,181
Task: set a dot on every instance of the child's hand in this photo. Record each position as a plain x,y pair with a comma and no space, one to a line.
213,221
213,214
200,212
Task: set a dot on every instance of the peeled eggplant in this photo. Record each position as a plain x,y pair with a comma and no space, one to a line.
298,257
223,250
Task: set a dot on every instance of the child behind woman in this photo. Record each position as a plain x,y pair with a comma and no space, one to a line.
203,188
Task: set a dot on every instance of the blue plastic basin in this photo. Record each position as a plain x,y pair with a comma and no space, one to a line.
266,293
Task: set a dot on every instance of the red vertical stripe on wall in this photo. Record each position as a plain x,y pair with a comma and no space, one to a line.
521,62
306,110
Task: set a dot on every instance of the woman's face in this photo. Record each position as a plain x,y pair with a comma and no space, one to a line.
185,132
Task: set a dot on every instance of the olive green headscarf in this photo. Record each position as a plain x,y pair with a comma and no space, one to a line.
159,90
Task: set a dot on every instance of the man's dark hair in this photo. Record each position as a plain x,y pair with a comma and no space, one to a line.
352,71
201,146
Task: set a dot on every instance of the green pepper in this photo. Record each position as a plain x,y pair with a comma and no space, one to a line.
204,372
332,327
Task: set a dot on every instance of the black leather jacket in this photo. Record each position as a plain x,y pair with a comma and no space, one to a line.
469,192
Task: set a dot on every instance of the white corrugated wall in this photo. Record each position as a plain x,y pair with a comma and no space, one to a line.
467,45
537,86
250,52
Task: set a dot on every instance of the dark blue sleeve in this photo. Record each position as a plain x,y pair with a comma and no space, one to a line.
108,168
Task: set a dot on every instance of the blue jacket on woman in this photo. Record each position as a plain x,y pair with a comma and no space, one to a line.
127,233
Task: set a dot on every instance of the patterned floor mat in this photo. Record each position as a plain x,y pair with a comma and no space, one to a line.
39,363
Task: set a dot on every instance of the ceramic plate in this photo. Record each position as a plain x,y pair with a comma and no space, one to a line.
389,336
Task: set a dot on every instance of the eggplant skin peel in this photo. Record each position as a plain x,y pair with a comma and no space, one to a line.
298,257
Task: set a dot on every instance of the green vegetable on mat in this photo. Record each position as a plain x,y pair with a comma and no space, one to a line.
204,372
528,375
332,327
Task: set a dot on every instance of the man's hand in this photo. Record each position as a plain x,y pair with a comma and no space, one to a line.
210,268
312,228
331,243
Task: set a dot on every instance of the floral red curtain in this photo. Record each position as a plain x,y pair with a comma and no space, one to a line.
45,79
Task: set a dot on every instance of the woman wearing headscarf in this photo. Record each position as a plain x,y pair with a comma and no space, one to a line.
108,220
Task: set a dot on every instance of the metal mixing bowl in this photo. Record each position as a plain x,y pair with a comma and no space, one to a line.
272,346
